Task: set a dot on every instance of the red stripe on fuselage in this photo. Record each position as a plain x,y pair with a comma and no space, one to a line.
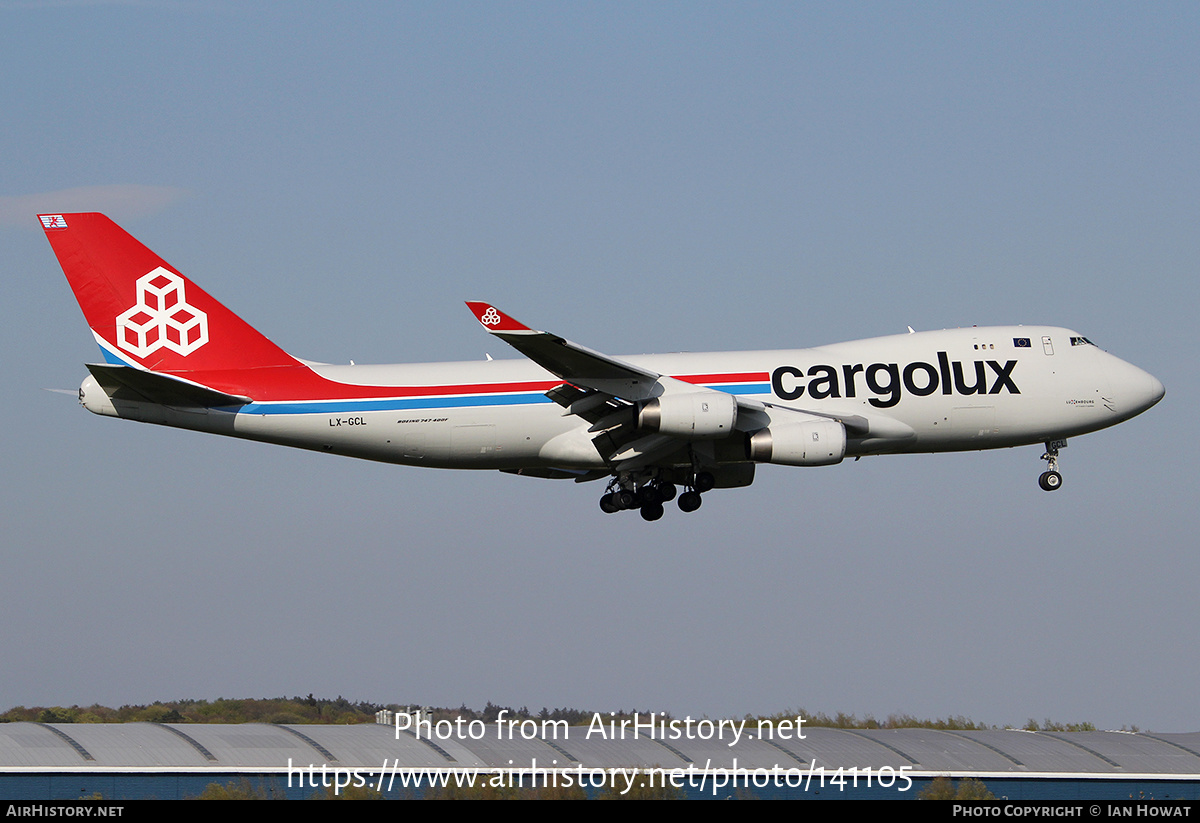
300,383
741,377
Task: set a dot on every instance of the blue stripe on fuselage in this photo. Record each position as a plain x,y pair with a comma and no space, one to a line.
456,402
390,404
744,388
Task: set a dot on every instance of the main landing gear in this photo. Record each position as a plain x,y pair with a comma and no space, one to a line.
1050,479
690,500
624,493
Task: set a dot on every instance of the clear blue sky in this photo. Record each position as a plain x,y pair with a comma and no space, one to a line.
638,177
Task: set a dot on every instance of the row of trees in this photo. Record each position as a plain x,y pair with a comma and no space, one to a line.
842,720
310,709
297,710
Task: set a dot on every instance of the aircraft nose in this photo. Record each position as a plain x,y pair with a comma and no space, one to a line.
1141,389
1155,392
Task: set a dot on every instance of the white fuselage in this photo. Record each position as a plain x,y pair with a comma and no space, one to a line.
952,390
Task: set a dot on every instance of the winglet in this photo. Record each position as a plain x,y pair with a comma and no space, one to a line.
495,320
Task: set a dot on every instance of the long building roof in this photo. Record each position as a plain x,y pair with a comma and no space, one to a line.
64,747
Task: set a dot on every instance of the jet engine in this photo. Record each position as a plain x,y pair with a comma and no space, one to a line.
808,443
699,415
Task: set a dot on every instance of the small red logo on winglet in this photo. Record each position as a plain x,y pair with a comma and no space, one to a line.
493,319
53,221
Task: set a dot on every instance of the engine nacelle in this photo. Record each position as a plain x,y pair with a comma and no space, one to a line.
699,415
809,443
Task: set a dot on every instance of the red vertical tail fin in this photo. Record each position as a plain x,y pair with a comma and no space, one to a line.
145,313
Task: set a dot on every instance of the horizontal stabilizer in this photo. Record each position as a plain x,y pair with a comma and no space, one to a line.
159,388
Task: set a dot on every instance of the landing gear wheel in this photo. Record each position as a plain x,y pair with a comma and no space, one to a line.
652,511
1050,481
666,492
689,501
608,506
705,481
624,499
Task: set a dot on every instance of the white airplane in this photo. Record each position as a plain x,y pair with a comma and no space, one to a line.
175,356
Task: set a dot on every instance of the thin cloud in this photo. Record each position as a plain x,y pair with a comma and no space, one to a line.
119,201
21,5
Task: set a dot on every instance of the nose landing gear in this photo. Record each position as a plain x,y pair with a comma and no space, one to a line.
1050,480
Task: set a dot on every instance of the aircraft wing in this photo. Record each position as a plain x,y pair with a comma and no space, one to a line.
574,363
606,391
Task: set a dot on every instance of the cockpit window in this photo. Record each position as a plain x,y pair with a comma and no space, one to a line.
1081,341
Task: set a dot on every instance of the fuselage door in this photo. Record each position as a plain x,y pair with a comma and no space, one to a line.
473,443
973,422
